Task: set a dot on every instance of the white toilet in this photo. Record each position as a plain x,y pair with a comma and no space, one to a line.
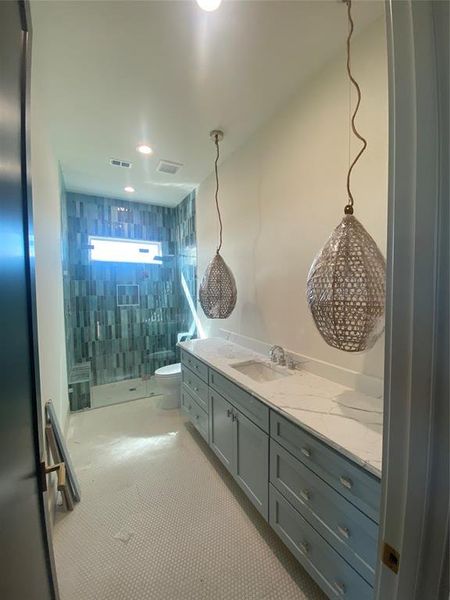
168,379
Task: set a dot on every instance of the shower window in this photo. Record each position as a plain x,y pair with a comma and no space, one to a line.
125,251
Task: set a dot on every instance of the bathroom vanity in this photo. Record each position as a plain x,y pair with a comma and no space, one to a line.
305,450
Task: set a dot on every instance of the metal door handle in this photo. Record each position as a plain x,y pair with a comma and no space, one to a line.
306,452
98,330
346,482
59,468
229,413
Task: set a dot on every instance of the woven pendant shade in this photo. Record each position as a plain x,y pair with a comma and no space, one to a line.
346,283
218,292
346,288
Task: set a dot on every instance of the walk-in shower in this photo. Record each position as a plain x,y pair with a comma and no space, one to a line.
129,284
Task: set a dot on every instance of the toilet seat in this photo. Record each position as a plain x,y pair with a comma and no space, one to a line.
169,371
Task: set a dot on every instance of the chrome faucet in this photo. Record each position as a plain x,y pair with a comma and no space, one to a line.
277,355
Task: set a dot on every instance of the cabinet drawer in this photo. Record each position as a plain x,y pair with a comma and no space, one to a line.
334,575
196,414
196,386
250,406
357,485
344,526
195,365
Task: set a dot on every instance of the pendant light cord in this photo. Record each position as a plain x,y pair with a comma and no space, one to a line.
216,141
349,207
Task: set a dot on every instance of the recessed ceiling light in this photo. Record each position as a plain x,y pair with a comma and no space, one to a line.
144,149
209,5
129,189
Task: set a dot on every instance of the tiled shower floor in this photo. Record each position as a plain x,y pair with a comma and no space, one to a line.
122,391
160,519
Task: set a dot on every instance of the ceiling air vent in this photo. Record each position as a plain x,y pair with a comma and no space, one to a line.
115,162
166,166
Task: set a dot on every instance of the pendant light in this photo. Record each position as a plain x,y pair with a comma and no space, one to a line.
218,292
346,281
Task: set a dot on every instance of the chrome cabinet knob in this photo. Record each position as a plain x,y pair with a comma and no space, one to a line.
346,482
340,588
304,547
343,531
305,494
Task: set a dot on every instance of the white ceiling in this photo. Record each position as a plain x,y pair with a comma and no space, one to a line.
113,74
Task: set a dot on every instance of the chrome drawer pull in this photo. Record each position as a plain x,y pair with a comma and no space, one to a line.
304,547
346,482
305,495
343,531
306,452
340,587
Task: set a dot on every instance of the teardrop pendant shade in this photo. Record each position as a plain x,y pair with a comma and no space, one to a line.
218,293
346,288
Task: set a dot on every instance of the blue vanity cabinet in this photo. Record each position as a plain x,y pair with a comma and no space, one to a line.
243,448
354,483
321,504
252,462
247,404
197,387
351,533
195,365
196,414
194,393
221,428
334,575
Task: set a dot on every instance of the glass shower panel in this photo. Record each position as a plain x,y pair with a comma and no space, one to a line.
119,367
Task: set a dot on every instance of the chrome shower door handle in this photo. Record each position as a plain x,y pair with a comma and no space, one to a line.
98,330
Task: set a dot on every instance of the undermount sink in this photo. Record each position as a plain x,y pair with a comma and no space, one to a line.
259,371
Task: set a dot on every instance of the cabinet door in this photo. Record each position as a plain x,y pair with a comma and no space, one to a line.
221,429
251,468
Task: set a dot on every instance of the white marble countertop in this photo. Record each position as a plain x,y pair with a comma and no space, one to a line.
345,419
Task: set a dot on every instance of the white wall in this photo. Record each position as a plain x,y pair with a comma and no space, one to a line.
283,192
46,187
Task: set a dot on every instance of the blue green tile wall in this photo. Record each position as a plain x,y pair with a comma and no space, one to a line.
135,339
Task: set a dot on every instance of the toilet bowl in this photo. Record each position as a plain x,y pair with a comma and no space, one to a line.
168,379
